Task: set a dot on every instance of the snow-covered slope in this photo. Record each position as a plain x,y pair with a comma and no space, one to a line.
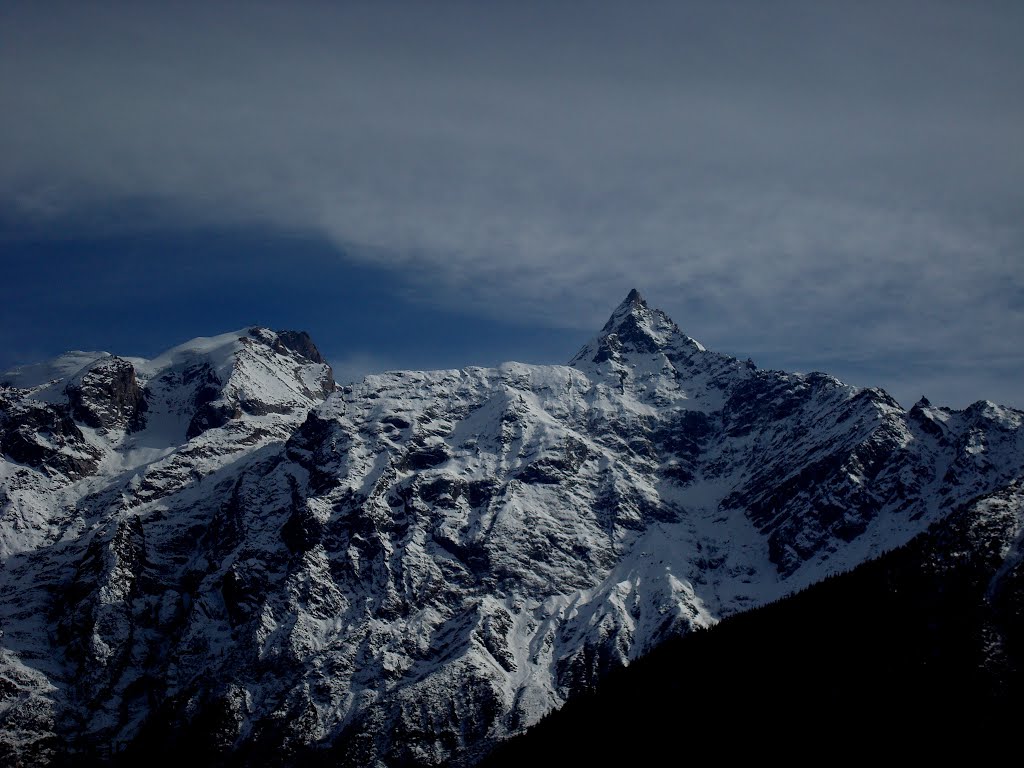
212,548
88,423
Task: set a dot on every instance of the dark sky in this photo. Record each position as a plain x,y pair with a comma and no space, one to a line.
834,186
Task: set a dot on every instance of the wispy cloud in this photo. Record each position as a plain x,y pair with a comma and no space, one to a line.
354,367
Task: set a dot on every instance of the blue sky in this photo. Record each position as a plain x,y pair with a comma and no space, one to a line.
816,186
142,293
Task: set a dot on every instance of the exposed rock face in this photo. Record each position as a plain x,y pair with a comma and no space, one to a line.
217,402
404,570
300,342
44,437
107,396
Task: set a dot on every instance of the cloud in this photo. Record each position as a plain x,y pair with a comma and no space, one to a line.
779,179
354,367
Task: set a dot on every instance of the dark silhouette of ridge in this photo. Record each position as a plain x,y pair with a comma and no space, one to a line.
914,651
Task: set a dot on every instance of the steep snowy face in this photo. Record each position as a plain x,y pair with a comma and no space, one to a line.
416,565
94,445
641,353
84,420
254,372
635,329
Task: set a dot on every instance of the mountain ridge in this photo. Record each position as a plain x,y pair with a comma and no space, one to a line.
246,557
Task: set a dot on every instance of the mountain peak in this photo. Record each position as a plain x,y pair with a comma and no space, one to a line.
633,303
635,328
634,299
283,342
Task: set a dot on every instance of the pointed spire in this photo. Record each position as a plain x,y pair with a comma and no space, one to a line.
634,299
636,328
633,302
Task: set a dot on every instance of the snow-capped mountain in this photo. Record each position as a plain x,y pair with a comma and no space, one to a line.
217,549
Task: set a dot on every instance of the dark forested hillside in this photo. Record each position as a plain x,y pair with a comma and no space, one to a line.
919,650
